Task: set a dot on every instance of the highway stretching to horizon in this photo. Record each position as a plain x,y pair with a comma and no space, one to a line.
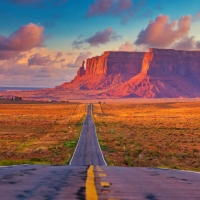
88,151
88,177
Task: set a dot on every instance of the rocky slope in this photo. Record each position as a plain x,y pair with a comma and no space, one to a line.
106,71
165,73
157,73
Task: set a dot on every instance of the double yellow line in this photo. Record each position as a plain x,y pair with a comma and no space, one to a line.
91,191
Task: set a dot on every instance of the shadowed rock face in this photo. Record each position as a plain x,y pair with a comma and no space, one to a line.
175,63
80,72
157,73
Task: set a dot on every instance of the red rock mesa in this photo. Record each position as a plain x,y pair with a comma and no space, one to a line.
157,73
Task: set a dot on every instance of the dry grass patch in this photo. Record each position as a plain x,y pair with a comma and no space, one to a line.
150,134
37,133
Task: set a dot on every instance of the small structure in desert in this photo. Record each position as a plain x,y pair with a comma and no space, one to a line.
16,98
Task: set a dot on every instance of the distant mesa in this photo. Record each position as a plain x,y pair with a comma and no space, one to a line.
158,73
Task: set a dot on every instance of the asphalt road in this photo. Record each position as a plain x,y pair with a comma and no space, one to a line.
88,151
40,182
88,177
130,183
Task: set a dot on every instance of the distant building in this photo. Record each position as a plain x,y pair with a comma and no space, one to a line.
16,98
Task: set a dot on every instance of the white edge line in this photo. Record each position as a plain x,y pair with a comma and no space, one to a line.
15,165
78,139
98,139
180,170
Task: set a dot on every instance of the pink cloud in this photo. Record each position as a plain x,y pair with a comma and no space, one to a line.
128,46
58,55
79,60
24,39
187,43
113,7
38,59
78,44
163,33
54,69
125,4
108,6
99,7
198,44
45,72
7,54
196,17
102,37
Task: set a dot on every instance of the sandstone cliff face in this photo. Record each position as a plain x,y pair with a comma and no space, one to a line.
96,65
80,72
165,73
168,62
115,63
171,62
106,71
157,73
130,87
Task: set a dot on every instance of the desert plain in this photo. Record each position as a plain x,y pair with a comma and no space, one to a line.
147,132
39,133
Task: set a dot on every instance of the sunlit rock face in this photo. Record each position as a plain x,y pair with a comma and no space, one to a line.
115,63
156,73
165,73
107,71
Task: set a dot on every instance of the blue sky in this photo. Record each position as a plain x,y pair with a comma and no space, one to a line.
68,31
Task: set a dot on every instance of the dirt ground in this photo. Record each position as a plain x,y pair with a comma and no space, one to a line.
39,132
165,134
132,132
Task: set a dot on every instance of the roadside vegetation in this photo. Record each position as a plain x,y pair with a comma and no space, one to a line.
39,133
150,134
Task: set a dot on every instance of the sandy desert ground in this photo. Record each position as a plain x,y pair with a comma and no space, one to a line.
39,132
150,134
132,132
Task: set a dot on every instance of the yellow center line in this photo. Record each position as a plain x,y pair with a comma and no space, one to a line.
105,184
102,175
91,191
99,170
